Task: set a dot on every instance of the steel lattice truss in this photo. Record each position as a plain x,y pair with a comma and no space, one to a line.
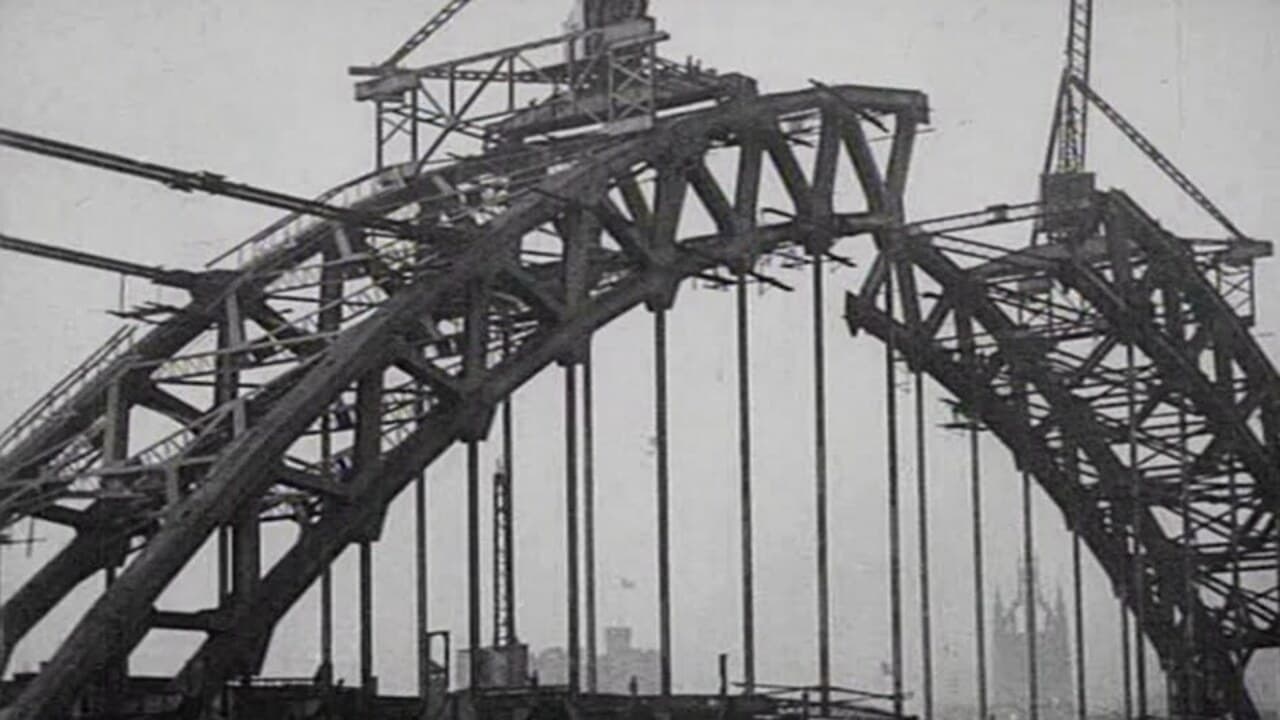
337,362
394,349
1118,366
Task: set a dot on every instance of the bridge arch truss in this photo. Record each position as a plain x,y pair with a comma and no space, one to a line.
342,361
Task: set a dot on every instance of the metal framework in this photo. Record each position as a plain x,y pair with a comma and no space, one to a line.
1201,491
1069,142
388,320
434,316
605,72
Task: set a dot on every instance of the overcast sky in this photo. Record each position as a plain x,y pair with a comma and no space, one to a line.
258,91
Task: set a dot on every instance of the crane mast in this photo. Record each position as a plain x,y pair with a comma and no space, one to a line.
1064,181
1071,130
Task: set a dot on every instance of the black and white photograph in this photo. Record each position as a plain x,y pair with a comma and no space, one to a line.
639,360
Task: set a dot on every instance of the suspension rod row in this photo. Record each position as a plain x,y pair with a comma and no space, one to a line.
1234,597
1187,665
1029,582
573,592
367,682
224,563
1077,592
1126,670
979,581
504,552
969,353
509,529
368,412
421,586
224,573
497,557
1237,688
475,641
820,486
326,577
745,503
1135,556
422,638
922,506
663,496
331,288
589,515
895,531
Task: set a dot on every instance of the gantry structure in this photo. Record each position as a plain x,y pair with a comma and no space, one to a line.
526,197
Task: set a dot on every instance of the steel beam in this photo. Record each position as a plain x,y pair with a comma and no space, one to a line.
241,470
663,493
1163,556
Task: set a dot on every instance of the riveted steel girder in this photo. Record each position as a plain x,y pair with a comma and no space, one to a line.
1037,365
401,318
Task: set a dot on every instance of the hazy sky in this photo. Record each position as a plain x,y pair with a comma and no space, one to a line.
258,91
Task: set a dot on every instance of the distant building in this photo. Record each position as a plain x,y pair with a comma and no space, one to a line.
499,667
551,667
1010,686
1055,667
620,663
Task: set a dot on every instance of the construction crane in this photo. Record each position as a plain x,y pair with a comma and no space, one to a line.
1165,164
1069,140
1065,178
424,33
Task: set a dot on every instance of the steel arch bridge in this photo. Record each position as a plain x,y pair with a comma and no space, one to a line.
344,356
